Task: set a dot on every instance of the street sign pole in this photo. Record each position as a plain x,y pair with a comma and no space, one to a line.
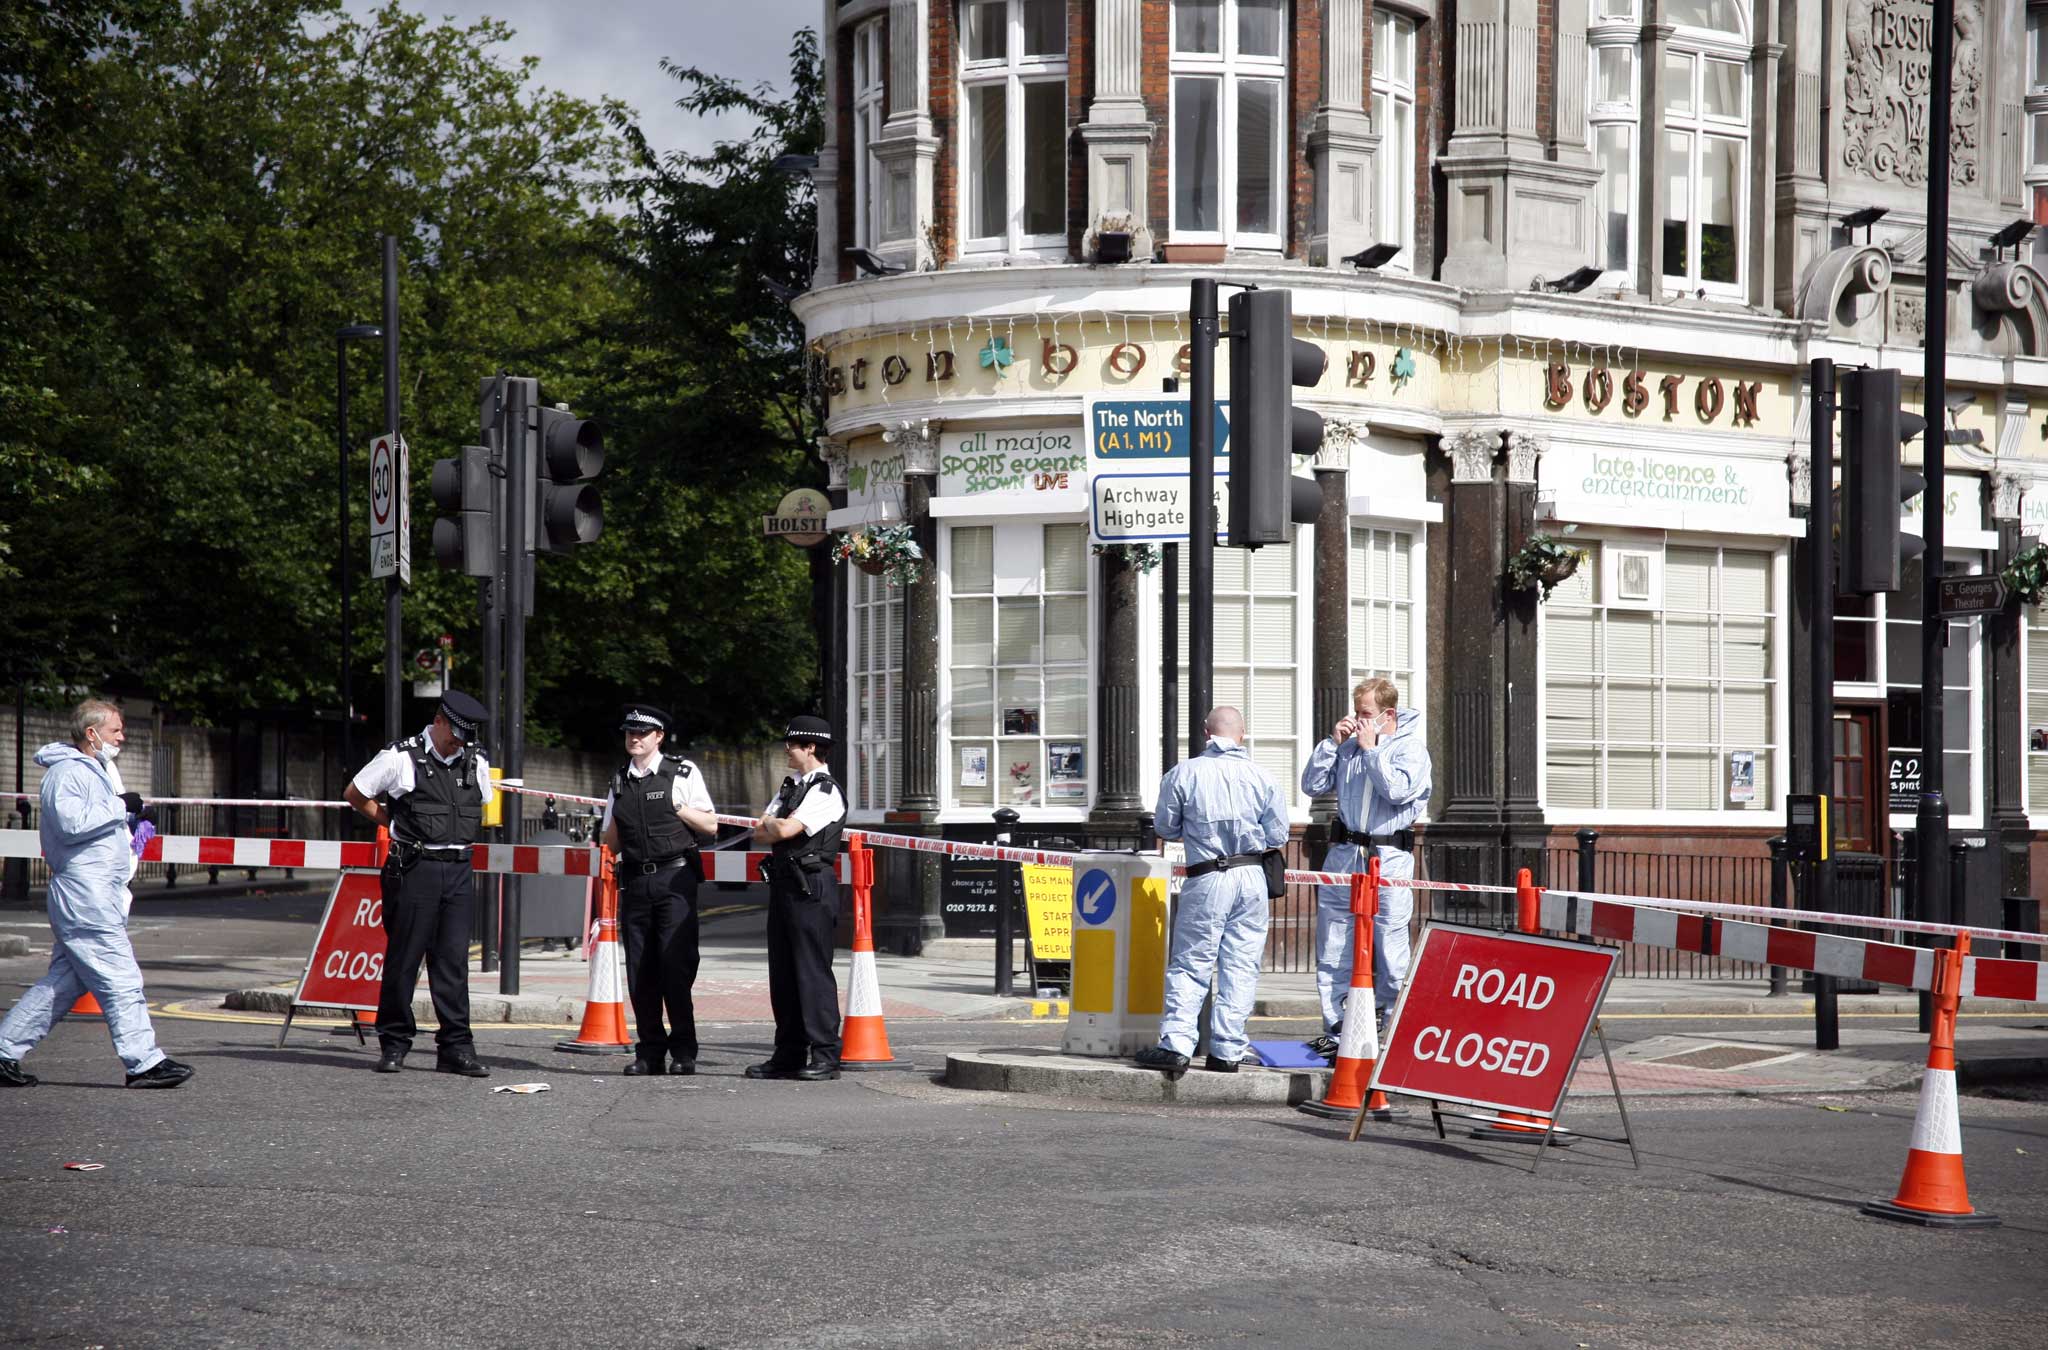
1201,506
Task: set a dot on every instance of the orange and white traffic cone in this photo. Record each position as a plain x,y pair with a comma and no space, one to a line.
87,1009
1933,1191
1519,1127
604,1009
1358,1044
864,1039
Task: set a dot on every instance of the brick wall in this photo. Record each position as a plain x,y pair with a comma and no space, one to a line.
945,124
1432,58
1157,23
1306,84
1546,70
842,118
1080,93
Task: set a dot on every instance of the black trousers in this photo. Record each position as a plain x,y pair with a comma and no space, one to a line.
426,917
658,928
802,912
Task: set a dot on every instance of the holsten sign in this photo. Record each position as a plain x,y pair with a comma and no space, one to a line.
799,518
1493,1019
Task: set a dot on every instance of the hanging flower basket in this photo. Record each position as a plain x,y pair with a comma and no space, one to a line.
889,551
1143,557
1544,561
2027,575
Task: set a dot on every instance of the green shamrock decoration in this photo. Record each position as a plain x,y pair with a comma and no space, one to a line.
1404,366
996,355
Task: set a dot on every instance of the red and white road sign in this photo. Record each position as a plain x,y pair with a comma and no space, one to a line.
1493,1019
346,968
390,510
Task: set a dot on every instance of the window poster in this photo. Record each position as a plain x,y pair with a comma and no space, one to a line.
1741,777
973,766
1066,772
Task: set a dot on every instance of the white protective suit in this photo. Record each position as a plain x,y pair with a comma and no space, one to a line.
1217,804
86,842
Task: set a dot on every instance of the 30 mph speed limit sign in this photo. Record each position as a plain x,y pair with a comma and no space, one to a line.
390,515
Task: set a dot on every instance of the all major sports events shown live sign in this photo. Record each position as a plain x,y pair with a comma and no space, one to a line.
1493,1019
1138,449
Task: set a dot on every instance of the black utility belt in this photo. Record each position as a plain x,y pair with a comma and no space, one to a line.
635,867
1203,869
432,852
811,865
1401,839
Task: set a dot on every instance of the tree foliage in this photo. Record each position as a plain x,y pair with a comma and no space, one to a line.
193,197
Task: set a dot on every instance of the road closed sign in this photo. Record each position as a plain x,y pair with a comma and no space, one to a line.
1493,1019
347,965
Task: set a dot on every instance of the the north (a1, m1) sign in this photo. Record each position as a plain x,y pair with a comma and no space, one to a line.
1493,1019
1138,453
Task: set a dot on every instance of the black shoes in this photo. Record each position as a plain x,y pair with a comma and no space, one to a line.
13,1075
1324,1045
1215,1065
640,1068
461,1062
391,1061
165,1073
682,1067
773,1067
1158,1057
821,1069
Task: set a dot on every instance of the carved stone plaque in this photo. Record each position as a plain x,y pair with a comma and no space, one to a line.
1886,73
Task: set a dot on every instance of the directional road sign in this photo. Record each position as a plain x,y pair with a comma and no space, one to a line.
1972,595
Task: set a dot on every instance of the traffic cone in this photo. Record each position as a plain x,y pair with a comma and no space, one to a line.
1519,1127
604,1008
863,1039
1358,1044
87,1009
1933,1191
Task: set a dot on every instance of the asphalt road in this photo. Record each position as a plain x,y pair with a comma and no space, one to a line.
292,1197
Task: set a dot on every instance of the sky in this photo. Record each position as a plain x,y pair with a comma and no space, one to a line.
594,48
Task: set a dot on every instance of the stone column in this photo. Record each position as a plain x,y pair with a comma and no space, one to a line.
1330,701
1118,718
1523,811
1117,133
907,151
1766,60
1469,825
914,919
1512,212
2006,714
1799,235
1650,186
1341,141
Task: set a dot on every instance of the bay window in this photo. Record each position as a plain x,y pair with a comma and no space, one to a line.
1611,116
1013,96
1227,167
1384,636
877,679
1703,88
869,66
1255,666
1393,117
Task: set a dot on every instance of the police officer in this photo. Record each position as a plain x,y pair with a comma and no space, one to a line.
430,790
1378,765
657,807
801,828
1226,811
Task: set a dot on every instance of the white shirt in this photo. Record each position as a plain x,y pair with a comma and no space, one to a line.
389,771
691,794
817,809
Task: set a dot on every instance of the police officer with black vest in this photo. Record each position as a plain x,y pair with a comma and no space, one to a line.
657,807
801,828
430,790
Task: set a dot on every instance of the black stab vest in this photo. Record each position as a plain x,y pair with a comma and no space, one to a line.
809,852
445,807
644,810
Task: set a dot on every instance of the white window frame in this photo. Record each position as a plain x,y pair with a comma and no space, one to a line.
1699,46
1404,611
872,599
1610,32
2034,103
1773,753
1014,72
1259,724
952,808
1395,201
1879,689
870,83
1231,70
2033,686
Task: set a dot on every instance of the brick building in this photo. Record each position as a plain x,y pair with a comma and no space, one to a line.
1615,234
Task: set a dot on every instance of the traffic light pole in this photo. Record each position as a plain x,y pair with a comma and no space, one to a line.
520,417
1820,760
1201,507
394,609
1931,821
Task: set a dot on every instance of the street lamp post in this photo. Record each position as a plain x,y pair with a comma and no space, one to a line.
342,337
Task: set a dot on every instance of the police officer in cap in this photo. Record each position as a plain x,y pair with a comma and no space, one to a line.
801,828
431,791
657,807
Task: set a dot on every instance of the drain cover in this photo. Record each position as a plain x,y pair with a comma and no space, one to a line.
1721,1056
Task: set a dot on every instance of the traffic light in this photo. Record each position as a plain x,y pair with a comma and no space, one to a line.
1874,485
571,455
1266,430
466,539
